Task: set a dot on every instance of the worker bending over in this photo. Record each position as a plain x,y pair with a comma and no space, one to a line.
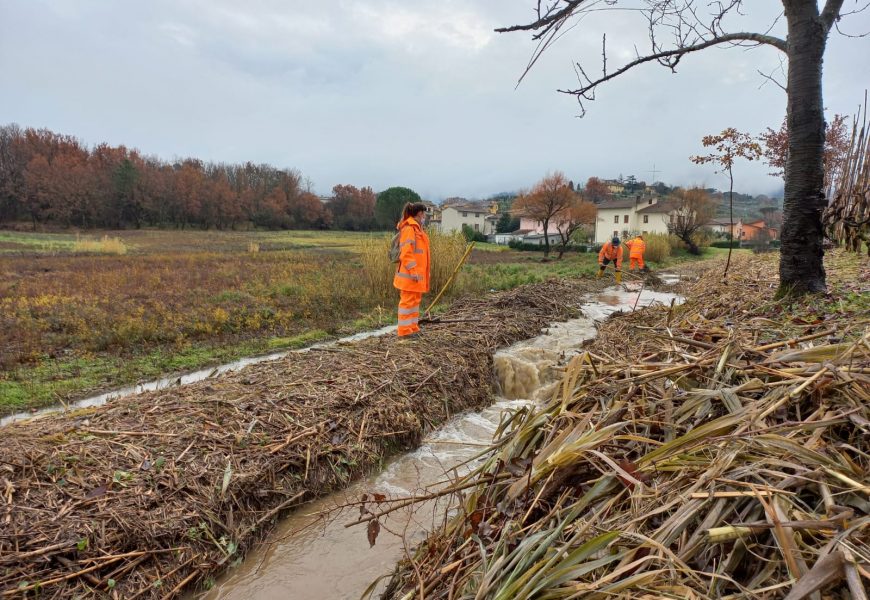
611,252
412,274
636,248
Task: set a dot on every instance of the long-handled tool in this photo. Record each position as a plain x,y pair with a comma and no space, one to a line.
450,279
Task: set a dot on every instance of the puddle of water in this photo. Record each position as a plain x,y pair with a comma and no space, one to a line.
187,378
309,556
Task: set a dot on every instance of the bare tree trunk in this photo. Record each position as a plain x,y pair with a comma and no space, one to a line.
546,238
801,269
730,219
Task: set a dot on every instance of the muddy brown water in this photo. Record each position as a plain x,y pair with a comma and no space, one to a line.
313,555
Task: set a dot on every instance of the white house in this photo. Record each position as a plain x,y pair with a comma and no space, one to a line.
479,218
630,216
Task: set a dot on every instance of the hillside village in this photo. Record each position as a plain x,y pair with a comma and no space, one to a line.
627,208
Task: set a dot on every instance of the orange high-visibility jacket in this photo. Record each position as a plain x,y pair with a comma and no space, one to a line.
413,272
609,252
636,248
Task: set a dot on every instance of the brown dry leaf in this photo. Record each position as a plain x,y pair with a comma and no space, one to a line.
374,529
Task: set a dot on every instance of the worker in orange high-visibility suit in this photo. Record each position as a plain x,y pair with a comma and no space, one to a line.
611,252
412,276
636,248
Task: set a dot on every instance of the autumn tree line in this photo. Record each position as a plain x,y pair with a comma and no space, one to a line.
48,178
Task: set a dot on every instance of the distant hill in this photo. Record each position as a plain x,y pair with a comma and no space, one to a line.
746,206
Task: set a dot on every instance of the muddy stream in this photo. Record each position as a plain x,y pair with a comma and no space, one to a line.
310,556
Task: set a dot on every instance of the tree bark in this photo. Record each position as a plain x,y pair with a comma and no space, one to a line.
801,269
546,238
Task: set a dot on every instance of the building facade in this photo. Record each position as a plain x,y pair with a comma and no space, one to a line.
479,218
625,217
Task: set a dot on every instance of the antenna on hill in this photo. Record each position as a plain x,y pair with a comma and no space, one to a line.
654,171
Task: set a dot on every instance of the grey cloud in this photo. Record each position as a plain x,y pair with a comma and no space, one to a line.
378,92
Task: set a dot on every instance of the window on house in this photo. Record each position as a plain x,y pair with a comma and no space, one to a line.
650,201
615,233
645,232
625,218
616,218
646,218
465,214
477,227
625,234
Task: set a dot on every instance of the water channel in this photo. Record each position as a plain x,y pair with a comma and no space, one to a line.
312,555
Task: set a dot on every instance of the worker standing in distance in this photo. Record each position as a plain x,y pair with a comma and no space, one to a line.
611,252
636,248
412,275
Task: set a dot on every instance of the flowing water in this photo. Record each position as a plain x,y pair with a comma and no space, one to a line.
312,555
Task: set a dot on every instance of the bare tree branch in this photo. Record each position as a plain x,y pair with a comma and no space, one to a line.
772,79
673,57
831,13
549,17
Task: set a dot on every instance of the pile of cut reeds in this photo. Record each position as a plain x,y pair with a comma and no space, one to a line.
716,449
847,216
156,493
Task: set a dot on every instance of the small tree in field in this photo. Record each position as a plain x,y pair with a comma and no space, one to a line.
729,146
550,197
693,209
578,213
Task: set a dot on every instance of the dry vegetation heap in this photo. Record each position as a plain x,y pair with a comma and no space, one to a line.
152,494
712,450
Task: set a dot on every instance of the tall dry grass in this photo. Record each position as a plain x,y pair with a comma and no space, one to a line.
658,247
446,252
106,245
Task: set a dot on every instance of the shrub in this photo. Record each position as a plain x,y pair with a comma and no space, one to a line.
702,239
725,244
471,235
554,246
658,247
106,245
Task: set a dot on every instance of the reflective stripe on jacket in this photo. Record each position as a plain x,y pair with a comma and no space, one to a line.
611,253
413,272
636,248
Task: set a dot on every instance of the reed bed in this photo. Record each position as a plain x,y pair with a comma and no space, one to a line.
716,449
847,216
106,245
154,494
446,251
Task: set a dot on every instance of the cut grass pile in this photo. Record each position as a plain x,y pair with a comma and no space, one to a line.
152,494
712,450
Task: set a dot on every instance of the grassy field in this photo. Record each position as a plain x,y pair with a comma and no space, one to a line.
77,316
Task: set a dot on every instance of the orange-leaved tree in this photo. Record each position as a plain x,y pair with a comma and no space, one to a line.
546,200
691,211
836,146
578,213
597,191
729,146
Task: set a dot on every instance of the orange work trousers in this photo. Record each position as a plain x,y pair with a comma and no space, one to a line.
409,312
635,261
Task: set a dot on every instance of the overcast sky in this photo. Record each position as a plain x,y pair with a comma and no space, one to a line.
419,93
